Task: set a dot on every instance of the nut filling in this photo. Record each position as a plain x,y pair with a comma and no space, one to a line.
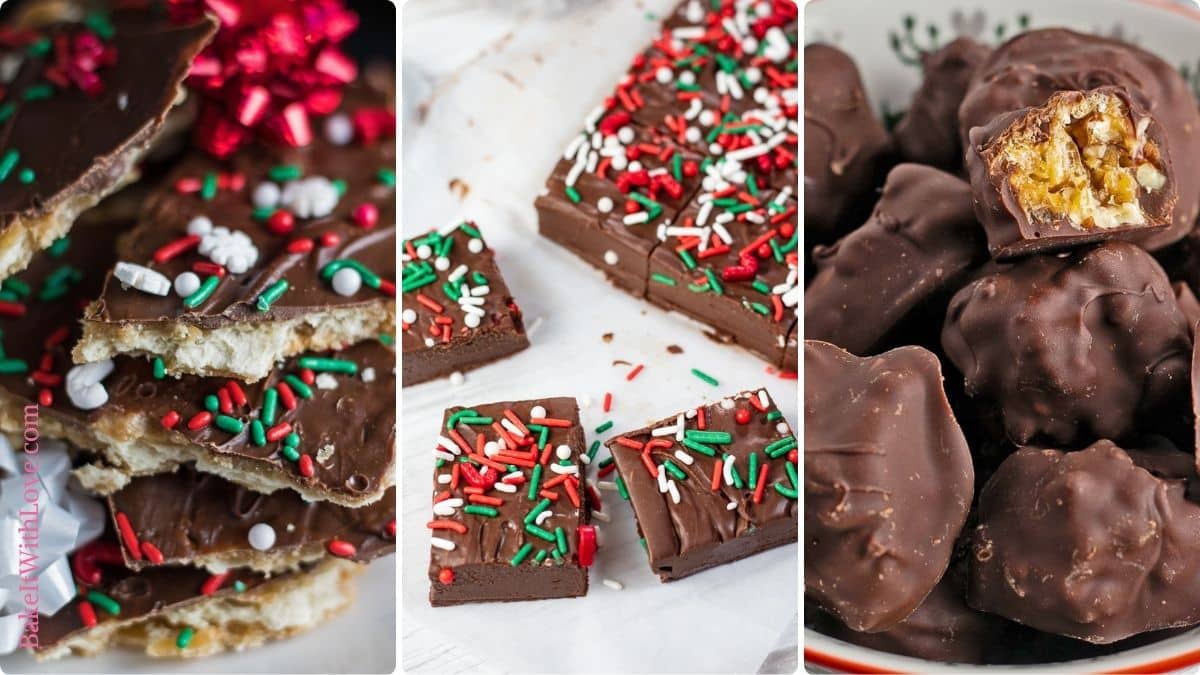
1085,163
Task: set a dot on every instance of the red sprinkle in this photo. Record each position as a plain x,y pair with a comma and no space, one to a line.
87,614
128,537
277,432
329,240
56,338
281,222
236,393
13,309
342,549
607,401
391,528
307,376
742,416
152,553
46,398
586,544
224,403
306,466
366,215
286,397
209,268
446,576
200,420
634,373
170,420
300,246
176,248
213,584
44,379
762,483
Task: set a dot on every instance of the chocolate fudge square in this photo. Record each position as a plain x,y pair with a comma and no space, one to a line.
510,517
713,484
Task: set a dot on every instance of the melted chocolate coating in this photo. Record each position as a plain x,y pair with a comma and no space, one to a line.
701,531
878,432
1028,69
188,514
455,346
910,255
74,142
1011,230
845,144
1089,544
480,562
1070,349
928,133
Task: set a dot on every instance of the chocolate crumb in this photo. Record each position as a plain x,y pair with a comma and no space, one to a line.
460,188
607,337
674,349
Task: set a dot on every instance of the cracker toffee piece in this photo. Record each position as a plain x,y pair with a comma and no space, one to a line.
711,485
1128,511
186,612
1082,167
1071,349
510,512
878,432
928,133
458,313
732,262
902,264
77,119
192,518
287,249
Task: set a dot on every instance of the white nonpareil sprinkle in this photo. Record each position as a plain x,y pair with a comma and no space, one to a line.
614,584
444,544
339,130
84,384
346,282
142,278
727,404
781,428
475,245
232,250
122,101
441,263
537,411
261,537
457,378
266,195
326,381
610,257
409,316
200,225
368,375
186,284
731,506
563,452
312,197
604,205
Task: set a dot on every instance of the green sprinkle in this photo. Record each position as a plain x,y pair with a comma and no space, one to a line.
297,385
39,47
677,167
9,296
26,176
557,556
533,514
761,287
262,212
606,461
369,278
662,279
539,532
13,367
59,247
573,195
780,447
270,401
758,307
733,472
540,557
621,489
258,435
291,454
470,230
791,472
160,368
698,447
774,415
185,637
688,260
751,186
604,427
7,110
208,189
476,509
327,365
476,421
752,474
593,450
386,339
230,424
479,279
273,293
454,418
9,162
18,287
705,376
239,586
561,536
719,437
386,176
713,283
339,186
104,602
284,172
674,470
535,481
776,252
212,403
786,491
292,440
522,553
203,293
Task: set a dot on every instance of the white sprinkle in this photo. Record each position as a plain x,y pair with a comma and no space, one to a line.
636,218
563,452
679,428
664,431
266,195
475,245
782,428
186,284
368,375
731,506
429,342
457,378
471,320
692,135
142,278
444,544
457,274
326,381
727,404
442,454
312,197
687,77
543,517
662,478
614,584
441,263
505,487
707,118
625,135
424,251
448,444
339,130
610,257
569,469
537,411
409,316
584,459
346,282
261,537
684,457
673,490
122,101
604,205
663,75
573,146
444,478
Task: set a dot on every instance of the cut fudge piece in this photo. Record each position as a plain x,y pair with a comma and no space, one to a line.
510,515
193,518
241,263
730,261
186,612
711,485
458,312
85,101
617,182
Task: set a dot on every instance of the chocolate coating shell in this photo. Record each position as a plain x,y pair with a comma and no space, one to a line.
928,132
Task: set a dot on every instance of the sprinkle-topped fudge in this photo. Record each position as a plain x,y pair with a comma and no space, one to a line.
510,512
457,313
711,485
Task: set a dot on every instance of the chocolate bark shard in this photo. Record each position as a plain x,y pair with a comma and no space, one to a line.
63,148
928,133
1082,167
499,545
458,313
733,264
897,269
1020,335
878,431
1031,67
845,145
199,519
305,241
1127,510
689,525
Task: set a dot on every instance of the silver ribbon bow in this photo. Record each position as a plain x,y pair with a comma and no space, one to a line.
63,519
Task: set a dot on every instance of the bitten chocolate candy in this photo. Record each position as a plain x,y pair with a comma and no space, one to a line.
1083,167
887,482
1070,349
844,147
928,132
1097,545
915,248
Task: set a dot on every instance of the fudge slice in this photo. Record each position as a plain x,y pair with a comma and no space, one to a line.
711,485
730,260
193,518
240,263
510,516
616,183
458,312
84,103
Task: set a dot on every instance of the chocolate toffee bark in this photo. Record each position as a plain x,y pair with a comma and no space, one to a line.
928,133
186,612
1030,68
878,432
83,104
1043,509
288,250
193,518
900,266
1071,349
711,485
458,313
615,185
510,513
845,145
1082,167
731,261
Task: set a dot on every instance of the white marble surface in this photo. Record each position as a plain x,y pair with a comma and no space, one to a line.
492,92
